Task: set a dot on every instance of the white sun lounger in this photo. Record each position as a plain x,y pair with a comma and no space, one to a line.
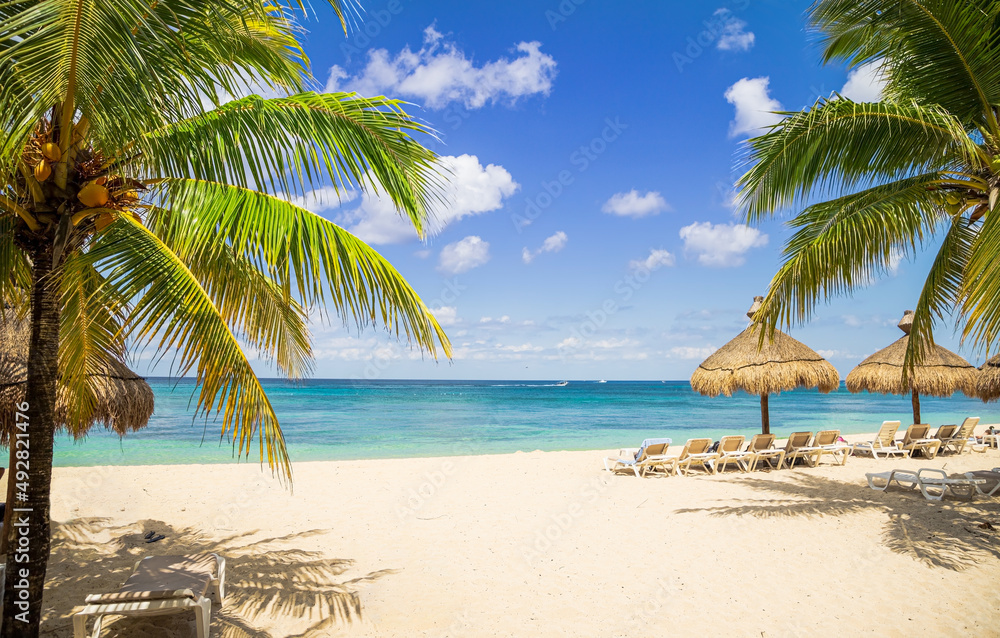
960,441
933,488
884,443
651,455
991,478
161,585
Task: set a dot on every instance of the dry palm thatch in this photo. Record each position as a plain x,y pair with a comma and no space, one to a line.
941,373
988,383
124,401
780,363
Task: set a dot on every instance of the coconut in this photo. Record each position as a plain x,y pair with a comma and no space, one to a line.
42,171
953,199
93,195
51,151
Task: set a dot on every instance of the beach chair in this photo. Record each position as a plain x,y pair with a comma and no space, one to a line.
696,452
650,456
933,483
917,439
992,478
798,447
944,434
762,446
161,585
884,443
958,442
730,452
827,443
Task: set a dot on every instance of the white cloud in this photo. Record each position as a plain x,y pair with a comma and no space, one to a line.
865,83
721,244
733,36
440,73
656,259
753,106
446,315
552,244
687,352
632,204
464,255
321,199
469,189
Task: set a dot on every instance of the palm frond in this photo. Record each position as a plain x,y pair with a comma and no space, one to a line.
172,308
315,259
981,289
90,336
845,243
941,52
263,312
941,292
839,145
288,144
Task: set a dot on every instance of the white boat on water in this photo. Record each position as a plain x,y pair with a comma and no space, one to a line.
602,381
562,383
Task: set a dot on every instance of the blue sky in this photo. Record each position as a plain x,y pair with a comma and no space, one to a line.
589,232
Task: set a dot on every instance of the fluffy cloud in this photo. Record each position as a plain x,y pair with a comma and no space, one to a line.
321,199
446,315
464,255
865,83
687,352
753,106
656,259
440,73
721,245
469,189
734,37
552,244
632,204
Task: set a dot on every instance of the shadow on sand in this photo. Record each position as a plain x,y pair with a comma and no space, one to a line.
951,534
265,580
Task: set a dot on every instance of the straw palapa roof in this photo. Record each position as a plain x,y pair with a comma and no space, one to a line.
941,373
783,363
988,383
124,401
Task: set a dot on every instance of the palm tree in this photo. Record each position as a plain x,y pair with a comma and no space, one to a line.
920,166
138,208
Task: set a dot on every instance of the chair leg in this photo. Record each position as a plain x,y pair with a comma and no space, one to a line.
202,616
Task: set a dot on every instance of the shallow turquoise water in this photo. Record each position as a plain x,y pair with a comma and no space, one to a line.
338,419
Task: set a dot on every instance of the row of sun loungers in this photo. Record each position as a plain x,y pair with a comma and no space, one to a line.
652,456
934,483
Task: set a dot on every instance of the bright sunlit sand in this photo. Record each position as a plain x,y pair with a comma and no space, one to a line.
538,543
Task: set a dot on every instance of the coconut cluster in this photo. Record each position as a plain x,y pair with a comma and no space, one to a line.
92,184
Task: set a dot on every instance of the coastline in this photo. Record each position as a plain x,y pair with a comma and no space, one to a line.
537,543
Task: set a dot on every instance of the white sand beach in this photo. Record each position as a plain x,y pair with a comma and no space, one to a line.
538,544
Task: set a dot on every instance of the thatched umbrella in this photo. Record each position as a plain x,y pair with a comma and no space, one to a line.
941,373
988,383
124,401
782,363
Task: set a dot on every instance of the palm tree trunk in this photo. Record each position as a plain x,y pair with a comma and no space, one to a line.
915,400
28,533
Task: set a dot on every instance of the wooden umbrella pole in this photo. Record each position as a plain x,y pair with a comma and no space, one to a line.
915,399
765,418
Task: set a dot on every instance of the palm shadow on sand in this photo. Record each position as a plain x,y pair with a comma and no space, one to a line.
265,579
951,534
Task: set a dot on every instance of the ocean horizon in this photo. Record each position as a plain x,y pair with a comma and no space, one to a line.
346,419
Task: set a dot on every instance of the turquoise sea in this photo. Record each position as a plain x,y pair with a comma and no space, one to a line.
346,419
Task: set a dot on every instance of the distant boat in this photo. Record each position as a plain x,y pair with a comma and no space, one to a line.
602,381
562,383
